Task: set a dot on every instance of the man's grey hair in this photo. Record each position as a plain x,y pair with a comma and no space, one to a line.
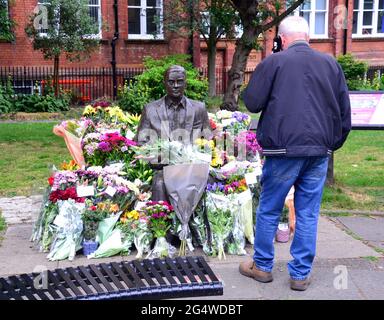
294,25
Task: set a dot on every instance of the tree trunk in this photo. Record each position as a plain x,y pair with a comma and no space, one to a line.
56,75
248,12
212,67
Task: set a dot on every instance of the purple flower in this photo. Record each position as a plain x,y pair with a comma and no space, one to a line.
105,147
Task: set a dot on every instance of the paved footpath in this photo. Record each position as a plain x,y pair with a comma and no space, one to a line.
345,267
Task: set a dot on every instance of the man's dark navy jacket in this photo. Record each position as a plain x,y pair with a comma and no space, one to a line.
304,101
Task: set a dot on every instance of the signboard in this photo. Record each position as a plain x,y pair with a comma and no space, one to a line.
367,109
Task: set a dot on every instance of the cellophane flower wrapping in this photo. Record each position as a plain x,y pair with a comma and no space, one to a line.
221,221
116,243
69,228
162,249
185,184
200,228
142,238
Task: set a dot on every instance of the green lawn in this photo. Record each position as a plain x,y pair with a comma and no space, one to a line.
359,173
28,151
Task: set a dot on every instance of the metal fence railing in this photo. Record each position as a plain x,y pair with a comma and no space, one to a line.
88,84
85,83
375,70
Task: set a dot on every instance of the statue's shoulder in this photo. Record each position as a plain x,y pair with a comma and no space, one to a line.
196,103
154,104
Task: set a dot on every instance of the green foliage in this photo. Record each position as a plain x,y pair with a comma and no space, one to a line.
69,30
133,96
9,102
40,103
354,71
91,219
149,85
284,215
6,23
6,97
3,224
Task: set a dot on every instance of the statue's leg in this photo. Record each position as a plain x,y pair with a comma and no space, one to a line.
158,187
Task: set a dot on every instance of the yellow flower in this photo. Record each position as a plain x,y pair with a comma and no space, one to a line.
134,214
114,208
72,165
89,110
101,206
216,161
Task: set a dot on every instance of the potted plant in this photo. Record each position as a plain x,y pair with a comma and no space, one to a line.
91,219
282,233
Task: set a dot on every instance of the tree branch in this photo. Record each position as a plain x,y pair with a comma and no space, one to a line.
278,19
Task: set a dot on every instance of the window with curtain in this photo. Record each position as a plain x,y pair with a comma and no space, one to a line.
316,14
94,12
145,19
368,18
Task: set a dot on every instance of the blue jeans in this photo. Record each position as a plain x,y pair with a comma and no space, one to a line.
308,175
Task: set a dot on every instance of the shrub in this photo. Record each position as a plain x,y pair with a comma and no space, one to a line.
5,100
133,96
10,102
39,103
149,85
354,71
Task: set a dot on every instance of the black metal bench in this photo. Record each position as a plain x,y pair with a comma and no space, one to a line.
137,279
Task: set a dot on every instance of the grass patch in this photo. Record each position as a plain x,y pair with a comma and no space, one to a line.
358,169
371,258
3,226
28,152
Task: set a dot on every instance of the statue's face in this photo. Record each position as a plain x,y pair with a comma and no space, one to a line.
175,84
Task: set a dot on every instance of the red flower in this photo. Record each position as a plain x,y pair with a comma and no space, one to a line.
213,124
50,180
66,194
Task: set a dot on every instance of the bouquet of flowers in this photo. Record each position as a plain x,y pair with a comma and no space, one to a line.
43,230
185,184
99,148
134,226
173,152
221,224
247,141
159,215
69,228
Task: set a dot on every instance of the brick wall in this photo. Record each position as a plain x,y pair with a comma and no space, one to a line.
130,53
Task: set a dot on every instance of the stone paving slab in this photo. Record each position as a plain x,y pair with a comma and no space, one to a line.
369,228
20,209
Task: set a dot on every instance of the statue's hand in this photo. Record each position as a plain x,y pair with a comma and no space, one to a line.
157,166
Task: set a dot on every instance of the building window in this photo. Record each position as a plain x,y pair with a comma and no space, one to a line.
145,19
368,18
94,12
316,14
6,23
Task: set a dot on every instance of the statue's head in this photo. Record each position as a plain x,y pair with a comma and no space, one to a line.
175,81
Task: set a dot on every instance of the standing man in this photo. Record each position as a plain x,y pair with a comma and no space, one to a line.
173,117
305,116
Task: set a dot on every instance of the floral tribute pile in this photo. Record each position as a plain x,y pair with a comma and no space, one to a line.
100,201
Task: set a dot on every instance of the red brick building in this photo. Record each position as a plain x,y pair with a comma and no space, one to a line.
364,37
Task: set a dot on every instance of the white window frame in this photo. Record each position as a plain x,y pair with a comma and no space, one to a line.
375,17
143,22
97,35
312,17
92,36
